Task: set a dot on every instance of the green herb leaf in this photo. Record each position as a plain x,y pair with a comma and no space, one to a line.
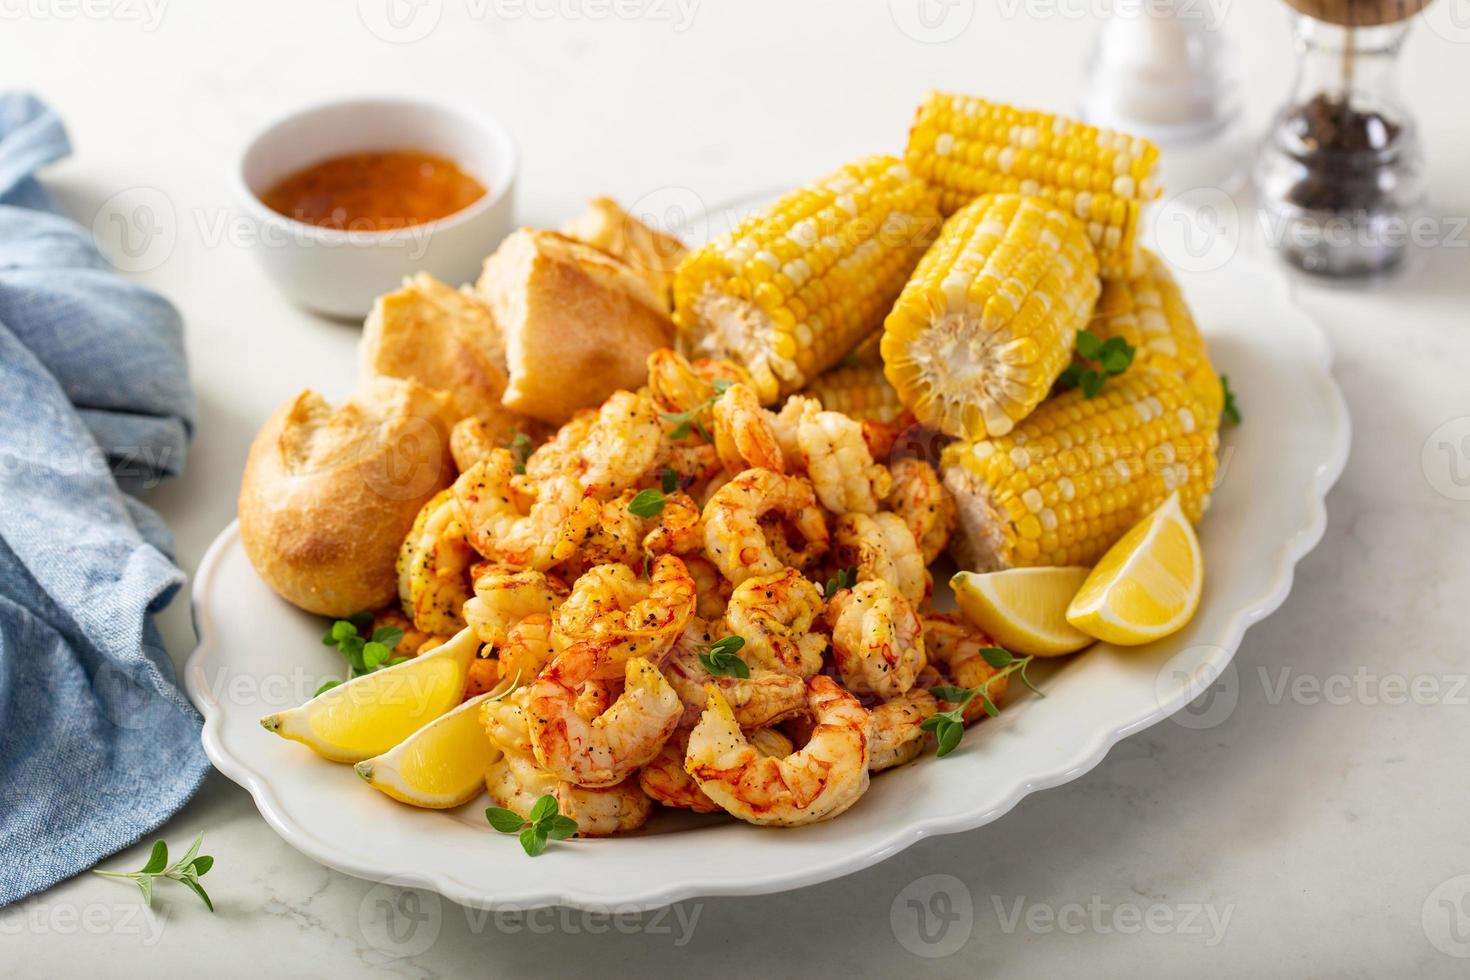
145,885
193,885
647,503
670,480
395,661
561,827
721,385
326,686
720,659
727,645
361,621
1231,412
374,655
844,579
543,808
949,736
533,841
1088,344
505,821
1092,384
996,657
389,636
954,695
201,865
1118,359
157,859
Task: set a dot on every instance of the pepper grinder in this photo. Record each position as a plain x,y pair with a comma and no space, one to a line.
1341,173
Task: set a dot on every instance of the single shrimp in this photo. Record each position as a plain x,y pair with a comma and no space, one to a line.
432,567
786,426
615,615
527,648
897,735
607,749
503,597
756,513
516,781
664,778
608,532
840,466
622,445
877,639
674,384
775,614
502,522
816,782
880,547
743,431
954,647
764,698
558,455
919,498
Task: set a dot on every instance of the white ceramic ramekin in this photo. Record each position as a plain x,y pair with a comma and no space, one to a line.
338,272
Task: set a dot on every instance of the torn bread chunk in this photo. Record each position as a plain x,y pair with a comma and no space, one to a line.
649,252
578,323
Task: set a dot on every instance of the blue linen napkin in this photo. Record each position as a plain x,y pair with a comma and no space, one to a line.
98,745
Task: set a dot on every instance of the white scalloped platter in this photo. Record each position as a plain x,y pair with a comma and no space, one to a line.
1268,512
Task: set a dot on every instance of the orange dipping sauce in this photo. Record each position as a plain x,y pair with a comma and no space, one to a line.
375,191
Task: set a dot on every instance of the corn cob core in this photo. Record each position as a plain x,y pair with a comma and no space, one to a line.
967,146
793,288
1078,473
990,317
1149,312
860,391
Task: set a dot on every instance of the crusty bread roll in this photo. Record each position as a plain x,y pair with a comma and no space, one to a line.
578,323
329,493
647,251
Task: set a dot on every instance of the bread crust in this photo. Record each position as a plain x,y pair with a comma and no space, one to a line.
329,493
647,251
579,324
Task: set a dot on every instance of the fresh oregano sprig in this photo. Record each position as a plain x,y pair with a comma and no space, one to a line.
521,446
545,823
720,660
187,871
1104,359
691,419
949,726
647,503
363,654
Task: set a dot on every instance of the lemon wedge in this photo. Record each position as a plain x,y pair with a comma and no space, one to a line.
439,766
370,714
1147,586
1024,609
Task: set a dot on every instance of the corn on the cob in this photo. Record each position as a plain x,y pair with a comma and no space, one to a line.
990,317
860,391
967,147
1078,473
1149,312
793,288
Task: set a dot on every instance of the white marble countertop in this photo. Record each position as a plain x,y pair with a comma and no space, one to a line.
1309,820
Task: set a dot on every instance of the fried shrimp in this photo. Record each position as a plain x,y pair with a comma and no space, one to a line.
527,648
615,615
431,567
606,749
897,737
609,532
750,524
877,639
786,425
776,614
841,469
764,698
925,506
954,647
880,547
504,597
816,782
678,385
620,447
744,432
503,522
516,781
664,778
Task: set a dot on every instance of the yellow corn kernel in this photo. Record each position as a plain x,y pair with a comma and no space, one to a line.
791,289
967,146
860,391
1149,312
990,317
1134,444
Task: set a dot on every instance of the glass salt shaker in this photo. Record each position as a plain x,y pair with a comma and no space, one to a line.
1341,173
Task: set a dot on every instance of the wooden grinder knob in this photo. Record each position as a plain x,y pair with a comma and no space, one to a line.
1360,13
